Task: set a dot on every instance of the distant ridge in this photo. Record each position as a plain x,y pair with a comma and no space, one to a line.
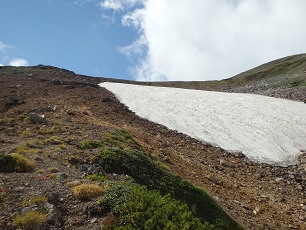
284,78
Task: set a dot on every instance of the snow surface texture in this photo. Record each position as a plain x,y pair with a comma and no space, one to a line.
264,129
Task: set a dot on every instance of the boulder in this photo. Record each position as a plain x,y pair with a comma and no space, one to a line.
54,215
92,169
36,118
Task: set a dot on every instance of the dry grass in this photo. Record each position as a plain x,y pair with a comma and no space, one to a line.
23,164
53,169
87,191
33,220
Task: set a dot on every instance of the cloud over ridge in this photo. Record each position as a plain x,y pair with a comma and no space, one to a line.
205,39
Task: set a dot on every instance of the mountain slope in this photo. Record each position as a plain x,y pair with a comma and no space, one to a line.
285,78
78,113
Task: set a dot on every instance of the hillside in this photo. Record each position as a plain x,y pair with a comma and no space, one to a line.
86,127
284,78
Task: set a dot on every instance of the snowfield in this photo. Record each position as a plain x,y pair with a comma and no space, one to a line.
264,129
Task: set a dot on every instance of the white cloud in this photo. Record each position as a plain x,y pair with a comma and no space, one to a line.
81,2
111,4
4,47
18,62
1,65
205,40
119,4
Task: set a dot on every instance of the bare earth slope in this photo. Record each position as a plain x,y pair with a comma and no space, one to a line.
256,195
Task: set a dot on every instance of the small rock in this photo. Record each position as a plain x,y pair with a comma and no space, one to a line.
71,112
56,82
93,220
224,163
256,210
26,210
214,179
245,206
68,86
92,169
73,222
166,159
279,179
14,102
93,209
38,159
74,183
61,175
36,118
19,189
54,215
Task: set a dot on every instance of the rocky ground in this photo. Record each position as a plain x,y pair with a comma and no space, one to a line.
259,196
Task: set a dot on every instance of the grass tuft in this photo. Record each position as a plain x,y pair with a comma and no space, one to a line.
15,163
89,144
33,220
87,191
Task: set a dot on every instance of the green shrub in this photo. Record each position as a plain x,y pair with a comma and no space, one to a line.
97,177
120,138
15,163
89,144
140,208
147,172
33,220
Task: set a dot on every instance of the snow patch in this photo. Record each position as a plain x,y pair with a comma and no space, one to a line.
264,129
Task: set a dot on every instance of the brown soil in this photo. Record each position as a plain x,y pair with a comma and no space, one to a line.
256,195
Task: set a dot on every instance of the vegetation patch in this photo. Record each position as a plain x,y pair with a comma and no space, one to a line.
26,133
120,138
53,169
15,163
89,144
97,177
74,160
45,131
146,171
87,191
7,121
3,195
139,208
32,220
54,140
37,200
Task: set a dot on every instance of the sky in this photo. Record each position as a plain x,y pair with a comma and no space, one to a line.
151,40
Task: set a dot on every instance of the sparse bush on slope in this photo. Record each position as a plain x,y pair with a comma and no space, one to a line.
140,208
15,163
32,220
147,172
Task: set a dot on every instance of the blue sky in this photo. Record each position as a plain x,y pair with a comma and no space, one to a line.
151,40
78,36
